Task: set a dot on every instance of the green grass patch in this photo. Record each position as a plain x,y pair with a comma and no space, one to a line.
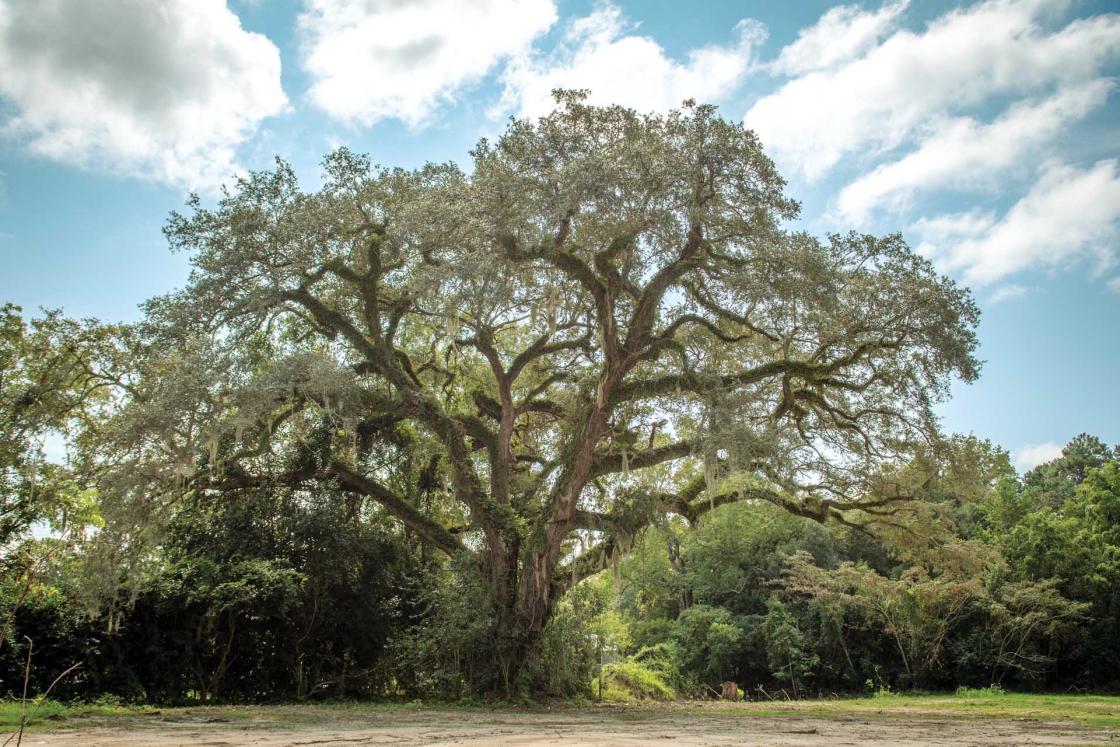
52,714
980,692
984,703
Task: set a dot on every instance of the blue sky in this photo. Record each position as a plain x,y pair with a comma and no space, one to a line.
985,131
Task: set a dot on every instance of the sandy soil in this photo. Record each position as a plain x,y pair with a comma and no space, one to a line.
571,727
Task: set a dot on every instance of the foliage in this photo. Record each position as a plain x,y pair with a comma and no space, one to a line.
584,633
787,651
1070,536
395,431
917,611
629,680
1012,591
707,640
55,375
266,596
601,323
448,650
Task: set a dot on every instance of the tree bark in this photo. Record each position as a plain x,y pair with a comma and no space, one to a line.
524,595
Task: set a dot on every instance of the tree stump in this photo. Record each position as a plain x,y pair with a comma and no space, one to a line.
730,691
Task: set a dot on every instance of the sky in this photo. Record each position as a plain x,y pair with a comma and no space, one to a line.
986,132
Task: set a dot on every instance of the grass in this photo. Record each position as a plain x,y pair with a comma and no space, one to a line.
1089,710
49,715
53,712
1097,711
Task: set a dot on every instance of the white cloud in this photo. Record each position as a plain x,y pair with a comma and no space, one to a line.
940,230
166,90
841,34
618,67
875,102
1069,214
964,153
1007,292
1114,284
377,59
1032,455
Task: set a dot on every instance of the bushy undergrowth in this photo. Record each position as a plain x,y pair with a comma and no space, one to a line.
627,681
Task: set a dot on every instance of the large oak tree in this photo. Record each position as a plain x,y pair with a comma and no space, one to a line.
604,320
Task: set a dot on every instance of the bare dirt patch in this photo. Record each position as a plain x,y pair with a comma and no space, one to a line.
745,725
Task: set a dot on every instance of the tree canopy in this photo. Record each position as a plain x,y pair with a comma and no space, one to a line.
604,320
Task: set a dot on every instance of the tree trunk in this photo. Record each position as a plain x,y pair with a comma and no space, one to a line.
524,599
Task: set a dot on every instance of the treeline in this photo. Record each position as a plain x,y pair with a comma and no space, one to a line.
278,595
1025,596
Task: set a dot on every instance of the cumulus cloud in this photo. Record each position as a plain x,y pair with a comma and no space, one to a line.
1007,292
841,34
1032,455
166,90
1070,214
378,59
601,54
965,153
876,101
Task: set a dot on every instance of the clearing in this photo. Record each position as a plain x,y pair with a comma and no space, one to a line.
1004,719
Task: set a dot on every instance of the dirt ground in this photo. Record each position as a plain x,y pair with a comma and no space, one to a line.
591,726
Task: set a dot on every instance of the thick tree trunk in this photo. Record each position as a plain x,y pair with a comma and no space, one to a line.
529,570
524,599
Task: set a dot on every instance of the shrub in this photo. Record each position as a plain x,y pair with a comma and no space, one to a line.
629,680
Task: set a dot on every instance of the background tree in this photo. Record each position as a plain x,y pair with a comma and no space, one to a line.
56,376
602,322
1066,530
